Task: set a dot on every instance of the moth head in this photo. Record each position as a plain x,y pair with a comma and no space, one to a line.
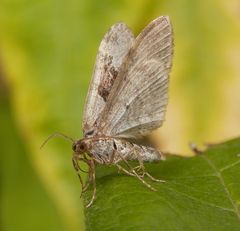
80,146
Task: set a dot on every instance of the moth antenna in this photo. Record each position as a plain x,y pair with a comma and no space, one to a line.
57,134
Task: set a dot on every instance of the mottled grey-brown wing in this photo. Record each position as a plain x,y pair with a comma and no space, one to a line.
138,100
112,51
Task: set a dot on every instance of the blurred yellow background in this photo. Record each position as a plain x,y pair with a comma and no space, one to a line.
47,53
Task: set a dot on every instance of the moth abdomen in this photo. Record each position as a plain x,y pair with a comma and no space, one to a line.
111,150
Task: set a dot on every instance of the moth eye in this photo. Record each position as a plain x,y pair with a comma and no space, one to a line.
79,147
82,147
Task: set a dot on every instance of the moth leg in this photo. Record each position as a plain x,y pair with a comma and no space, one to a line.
153,178
120,168
141,167
111,160
93,176
132,172
87,183
76,157
90,180
78,169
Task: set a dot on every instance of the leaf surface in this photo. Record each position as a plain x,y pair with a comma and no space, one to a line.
200,193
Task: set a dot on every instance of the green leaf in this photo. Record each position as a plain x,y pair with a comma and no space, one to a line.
200,193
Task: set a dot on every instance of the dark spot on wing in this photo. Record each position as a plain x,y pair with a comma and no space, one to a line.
114,145
104,93
89,133
109,76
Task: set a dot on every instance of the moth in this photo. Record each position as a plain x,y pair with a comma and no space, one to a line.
126,100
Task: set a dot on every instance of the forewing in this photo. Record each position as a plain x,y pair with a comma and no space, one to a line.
112,51
137,102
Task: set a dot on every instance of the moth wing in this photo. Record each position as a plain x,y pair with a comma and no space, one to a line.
139,96
112,50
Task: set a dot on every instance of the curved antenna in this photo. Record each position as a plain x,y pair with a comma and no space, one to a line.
57,134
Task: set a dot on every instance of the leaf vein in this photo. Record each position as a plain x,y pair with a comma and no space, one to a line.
220,177
229,166
201,201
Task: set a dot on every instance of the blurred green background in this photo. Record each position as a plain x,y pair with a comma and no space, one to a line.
47,53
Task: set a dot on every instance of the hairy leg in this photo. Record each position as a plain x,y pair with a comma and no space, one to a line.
141,168
93,177
132,172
